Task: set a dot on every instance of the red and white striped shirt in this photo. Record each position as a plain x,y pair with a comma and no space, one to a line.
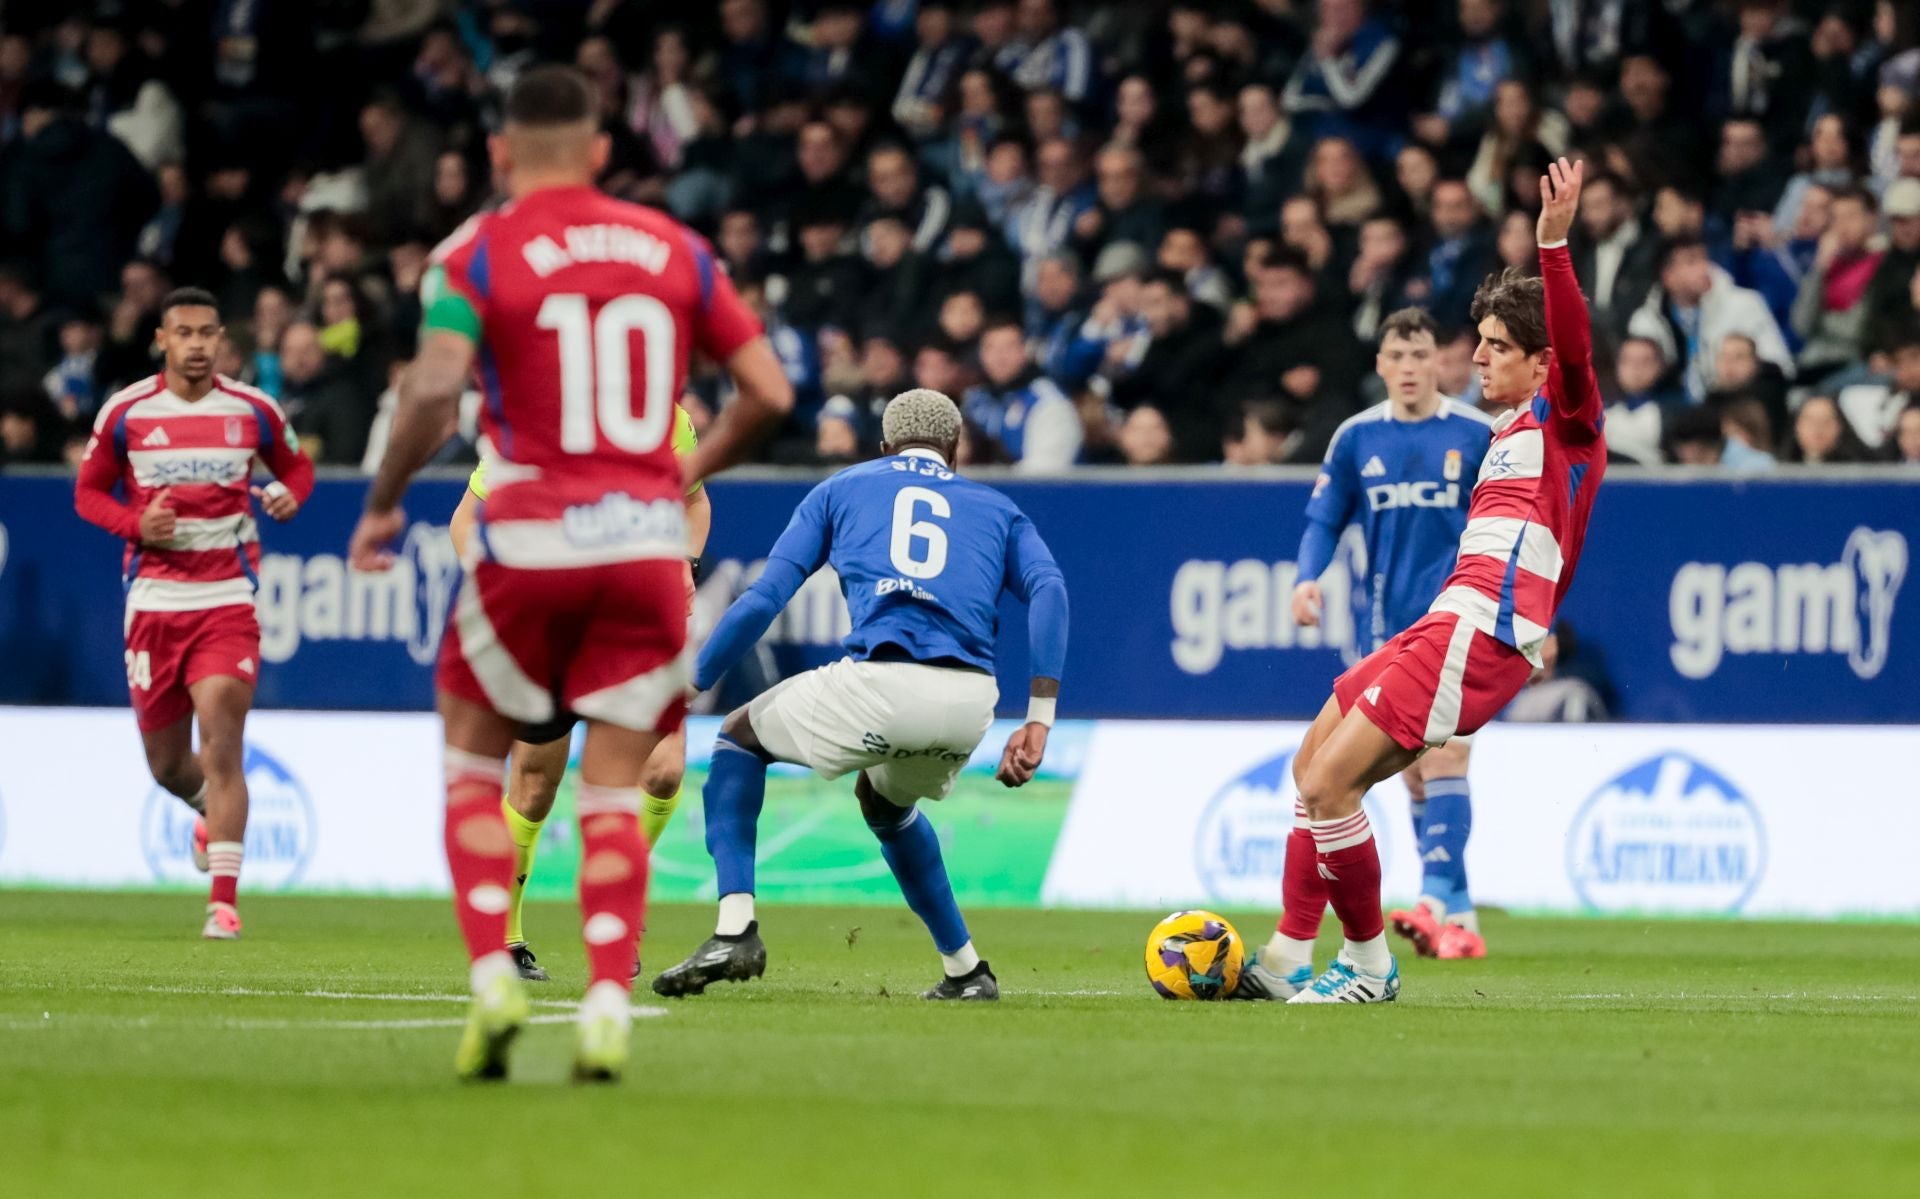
1528,517
200,454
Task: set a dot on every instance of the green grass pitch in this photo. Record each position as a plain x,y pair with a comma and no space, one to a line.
1622,1058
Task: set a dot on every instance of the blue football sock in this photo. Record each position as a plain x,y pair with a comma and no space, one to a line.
912,850
1419,809
1444,847
736,789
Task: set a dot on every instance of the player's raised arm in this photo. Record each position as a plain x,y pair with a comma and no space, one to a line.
1569,328
1033,576
801,550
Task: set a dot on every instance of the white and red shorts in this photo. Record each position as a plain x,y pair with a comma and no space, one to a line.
168,652
1441,678
607,642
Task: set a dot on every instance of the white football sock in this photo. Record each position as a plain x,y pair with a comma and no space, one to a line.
1283,955
1469,920
961,961
603,997
1370,956
198,800
1437,908
736,912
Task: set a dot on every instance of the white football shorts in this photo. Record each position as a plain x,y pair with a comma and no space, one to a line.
910,727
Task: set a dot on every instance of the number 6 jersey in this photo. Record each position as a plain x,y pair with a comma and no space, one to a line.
922,556
585,310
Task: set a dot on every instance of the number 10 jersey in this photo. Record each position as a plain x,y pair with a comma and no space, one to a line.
585,311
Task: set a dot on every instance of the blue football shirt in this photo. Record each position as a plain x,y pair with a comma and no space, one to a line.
1406,483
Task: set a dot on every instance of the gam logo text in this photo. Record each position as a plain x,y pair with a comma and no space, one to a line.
1845,607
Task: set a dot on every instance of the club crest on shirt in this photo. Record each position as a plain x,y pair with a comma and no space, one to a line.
235,430
1450,469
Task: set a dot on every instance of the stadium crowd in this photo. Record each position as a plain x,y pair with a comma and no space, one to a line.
1151,232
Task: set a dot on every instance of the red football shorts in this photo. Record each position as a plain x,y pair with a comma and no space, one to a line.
1441,678
168,652
606,642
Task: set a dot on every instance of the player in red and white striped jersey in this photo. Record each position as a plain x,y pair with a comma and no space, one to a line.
181,446
1459,665
580,313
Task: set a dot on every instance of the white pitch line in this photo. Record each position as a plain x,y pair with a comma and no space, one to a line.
248,1024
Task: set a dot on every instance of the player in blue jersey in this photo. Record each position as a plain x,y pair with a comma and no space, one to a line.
922,556
1403,470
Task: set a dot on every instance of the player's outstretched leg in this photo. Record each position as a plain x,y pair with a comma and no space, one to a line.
1332,781
480,859
1284,966
735,792
220,706
912,850
1450,821
539,763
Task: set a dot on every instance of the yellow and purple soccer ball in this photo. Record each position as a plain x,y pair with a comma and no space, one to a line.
1194,955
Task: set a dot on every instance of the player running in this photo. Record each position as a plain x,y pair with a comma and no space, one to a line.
539,759
1461,663
580,312
1402,469
922,556
183,444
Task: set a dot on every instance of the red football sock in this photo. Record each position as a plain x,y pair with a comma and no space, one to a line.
1349,862
479,850
613,881
1301,887
223,863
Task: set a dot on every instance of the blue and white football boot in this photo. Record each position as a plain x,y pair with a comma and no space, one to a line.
1258,982
1343,982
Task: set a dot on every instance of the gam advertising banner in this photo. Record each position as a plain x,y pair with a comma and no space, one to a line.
1750,600
1797,821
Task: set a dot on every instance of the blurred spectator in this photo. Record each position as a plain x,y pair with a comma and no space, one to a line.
72,199
400,165
1047,54
1891,311
1260,433
941,48
28,331
1829,165
1521,130
1694,307
1045,221
1017,414
894,183
1822,436
1185,251
1767,73
1751,179
1472,70
893,299
74,382
1639,403
1183,344
976,259
823,288
1831,312
1612,255
1347,80
1462,252
1286,345
1873,408
1698,437
1739,371
1906,436
1340,182
1146,439
31,432
330,410
272,313
1272,156
1123,212
1382,278
129,353
1749,435
754,59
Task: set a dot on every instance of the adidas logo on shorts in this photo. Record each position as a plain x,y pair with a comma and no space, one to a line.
1371,695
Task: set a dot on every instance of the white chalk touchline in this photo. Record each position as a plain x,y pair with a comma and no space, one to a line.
1736,996
248,1024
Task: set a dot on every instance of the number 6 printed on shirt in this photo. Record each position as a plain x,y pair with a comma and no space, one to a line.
906,530
595,365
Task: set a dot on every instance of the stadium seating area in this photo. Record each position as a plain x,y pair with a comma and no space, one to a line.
1185,219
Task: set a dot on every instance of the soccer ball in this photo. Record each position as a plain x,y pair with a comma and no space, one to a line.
1194,955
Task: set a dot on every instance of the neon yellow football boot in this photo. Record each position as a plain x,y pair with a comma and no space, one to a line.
498,1014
